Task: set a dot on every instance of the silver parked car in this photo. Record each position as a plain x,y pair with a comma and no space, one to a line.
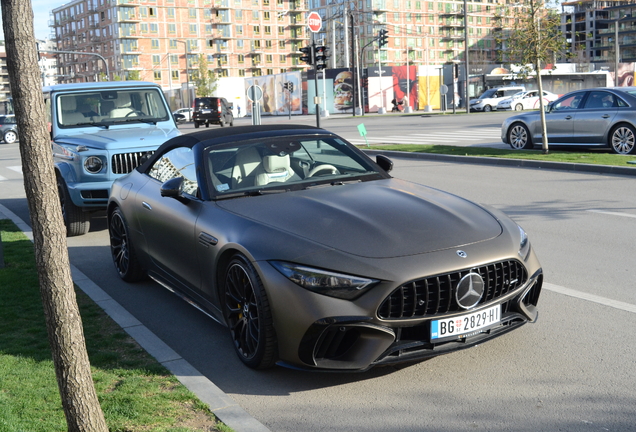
593,117
315,257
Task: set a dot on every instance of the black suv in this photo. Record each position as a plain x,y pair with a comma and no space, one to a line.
215,110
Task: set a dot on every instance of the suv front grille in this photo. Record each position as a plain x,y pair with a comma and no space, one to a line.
124,163
436,294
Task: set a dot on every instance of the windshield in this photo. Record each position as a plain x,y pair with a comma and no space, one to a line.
488,93
104,108
284,163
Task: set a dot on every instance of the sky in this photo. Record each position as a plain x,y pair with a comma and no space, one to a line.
41,10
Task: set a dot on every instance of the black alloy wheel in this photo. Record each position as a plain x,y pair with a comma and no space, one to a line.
121,248
77,221
519,137
622,140
248,315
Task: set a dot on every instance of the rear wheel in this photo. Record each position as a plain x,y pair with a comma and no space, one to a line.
77,222
623,139
196,125
207,124
248,315
222,122
122,250
10,137
519,137
232,121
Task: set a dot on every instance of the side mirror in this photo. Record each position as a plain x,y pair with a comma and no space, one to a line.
384,162
547,108
173,188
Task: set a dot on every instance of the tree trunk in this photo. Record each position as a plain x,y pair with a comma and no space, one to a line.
64,325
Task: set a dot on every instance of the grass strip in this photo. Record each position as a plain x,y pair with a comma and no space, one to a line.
136,393
593,158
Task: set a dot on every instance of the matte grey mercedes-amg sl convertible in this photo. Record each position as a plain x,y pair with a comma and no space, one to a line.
313,255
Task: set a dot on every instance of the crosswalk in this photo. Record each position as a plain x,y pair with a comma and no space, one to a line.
17,168
457,137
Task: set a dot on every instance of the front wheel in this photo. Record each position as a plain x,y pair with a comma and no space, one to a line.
77,222
248,315
623,139
519,137
487,108
122,250
10,137
518,107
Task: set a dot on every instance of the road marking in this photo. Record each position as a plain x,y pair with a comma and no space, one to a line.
2,178
613,213
17,168
627,307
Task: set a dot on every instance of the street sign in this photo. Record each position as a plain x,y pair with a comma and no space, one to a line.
254,93
314,21
443,89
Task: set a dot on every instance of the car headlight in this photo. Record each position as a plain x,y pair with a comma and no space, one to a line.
325,282
476,101
93,164
524,244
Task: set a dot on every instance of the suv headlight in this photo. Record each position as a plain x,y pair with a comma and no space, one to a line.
325,282
93,164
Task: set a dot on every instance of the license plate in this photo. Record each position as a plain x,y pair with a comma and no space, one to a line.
465,324
206,111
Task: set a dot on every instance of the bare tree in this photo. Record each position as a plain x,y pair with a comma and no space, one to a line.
534,39
64,325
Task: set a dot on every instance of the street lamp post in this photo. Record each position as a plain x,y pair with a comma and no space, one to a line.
185,45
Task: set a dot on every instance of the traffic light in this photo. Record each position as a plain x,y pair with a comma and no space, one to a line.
308,56
290,86
383,37
320,57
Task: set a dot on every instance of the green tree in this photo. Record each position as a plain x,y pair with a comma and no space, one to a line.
133,75
63,322
205,79
535,39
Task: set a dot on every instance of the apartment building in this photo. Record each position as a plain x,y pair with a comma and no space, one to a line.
163,40
590,29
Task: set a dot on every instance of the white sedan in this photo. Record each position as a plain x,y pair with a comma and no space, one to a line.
526,100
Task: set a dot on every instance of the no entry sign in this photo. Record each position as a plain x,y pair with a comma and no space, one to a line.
314,22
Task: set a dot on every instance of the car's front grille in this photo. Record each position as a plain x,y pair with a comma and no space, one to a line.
435,295
123,163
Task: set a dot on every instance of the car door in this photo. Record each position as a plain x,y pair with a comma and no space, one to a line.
560,119
169,224
529,99
595,118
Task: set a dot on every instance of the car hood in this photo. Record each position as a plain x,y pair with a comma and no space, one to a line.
119,138
376,219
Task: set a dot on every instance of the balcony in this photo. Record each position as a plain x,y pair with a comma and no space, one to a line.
128,18
457,12
299,6
221,4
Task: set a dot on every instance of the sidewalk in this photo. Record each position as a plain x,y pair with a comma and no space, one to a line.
223,406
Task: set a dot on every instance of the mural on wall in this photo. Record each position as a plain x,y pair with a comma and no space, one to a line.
625,75
404,79
276,100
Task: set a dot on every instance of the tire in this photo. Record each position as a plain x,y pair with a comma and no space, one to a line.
207,124
487,108
196,125
519,137
10,136
77,221
222,122
248,315
622,140
122,249
232,121
518,107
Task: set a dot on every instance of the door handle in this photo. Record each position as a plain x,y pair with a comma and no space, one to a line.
146,205
569,117
605,115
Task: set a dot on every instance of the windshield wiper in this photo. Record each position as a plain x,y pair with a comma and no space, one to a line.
256,192
137,119
96,124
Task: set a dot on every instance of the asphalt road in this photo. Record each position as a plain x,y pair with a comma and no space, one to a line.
574,370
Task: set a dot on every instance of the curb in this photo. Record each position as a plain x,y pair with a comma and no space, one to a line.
480,160
223,406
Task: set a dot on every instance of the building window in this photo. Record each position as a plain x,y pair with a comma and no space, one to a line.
281,44
174,59
154,28
154,43
239,30
192,12
266,15
156,59
175,75
152,11
157,75
241,58
268,44
172,28
241,72
256,29
170,12
268,30
173,44
193,28
269,58
282,59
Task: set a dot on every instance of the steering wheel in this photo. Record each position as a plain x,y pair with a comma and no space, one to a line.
324,167
136,113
